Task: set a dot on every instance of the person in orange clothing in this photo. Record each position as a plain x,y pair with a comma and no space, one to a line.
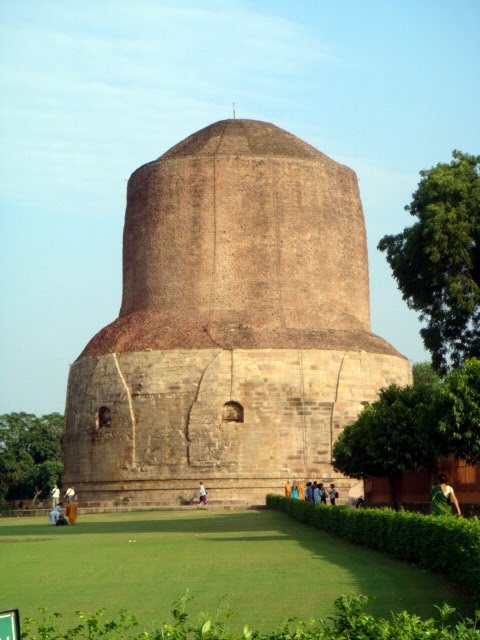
71,511
301,491
288,489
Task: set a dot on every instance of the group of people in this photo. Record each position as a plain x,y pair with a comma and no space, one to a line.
311,492
442,496
58,515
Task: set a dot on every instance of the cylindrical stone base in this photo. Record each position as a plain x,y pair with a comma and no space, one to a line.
146,427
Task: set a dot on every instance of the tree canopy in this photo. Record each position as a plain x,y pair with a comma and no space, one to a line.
436,261
424,373
31,459
394,434
460,421
408,428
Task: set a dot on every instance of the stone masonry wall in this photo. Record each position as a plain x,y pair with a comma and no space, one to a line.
171,424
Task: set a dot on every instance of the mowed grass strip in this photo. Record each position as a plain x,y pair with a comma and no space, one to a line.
266,566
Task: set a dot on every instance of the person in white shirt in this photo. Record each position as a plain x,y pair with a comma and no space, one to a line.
332,494
202,492
69,494
55,496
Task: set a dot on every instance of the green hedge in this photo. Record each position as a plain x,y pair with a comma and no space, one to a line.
448,545
469,509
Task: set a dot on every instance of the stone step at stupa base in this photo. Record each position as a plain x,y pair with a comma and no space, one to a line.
109,507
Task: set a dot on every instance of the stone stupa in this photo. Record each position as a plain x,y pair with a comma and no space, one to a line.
243,344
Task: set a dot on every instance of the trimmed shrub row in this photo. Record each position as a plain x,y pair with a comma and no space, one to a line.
469,509
448,545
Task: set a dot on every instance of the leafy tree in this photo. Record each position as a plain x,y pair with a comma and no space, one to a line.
436,261
424,373
394,434
349,450
460,423
31,459
409,428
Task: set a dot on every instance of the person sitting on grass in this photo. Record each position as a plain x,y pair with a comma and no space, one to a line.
55,513
61,521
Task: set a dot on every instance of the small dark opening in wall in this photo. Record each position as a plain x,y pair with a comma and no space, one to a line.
232,412
104,417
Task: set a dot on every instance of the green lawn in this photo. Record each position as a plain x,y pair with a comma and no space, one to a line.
267,566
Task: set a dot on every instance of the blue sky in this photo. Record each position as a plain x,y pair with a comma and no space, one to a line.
92,90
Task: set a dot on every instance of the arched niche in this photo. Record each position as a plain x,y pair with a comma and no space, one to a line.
104,418
232,412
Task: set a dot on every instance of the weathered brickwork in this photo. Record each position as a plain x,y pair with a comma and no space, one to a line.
167,430
243,343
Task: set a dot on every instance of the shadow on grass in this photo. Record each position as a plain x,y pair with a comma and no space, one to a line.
396,585
214,523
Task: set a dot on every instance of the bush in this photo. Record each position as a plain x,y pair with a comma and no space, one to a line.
469,509
448,545
350,623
